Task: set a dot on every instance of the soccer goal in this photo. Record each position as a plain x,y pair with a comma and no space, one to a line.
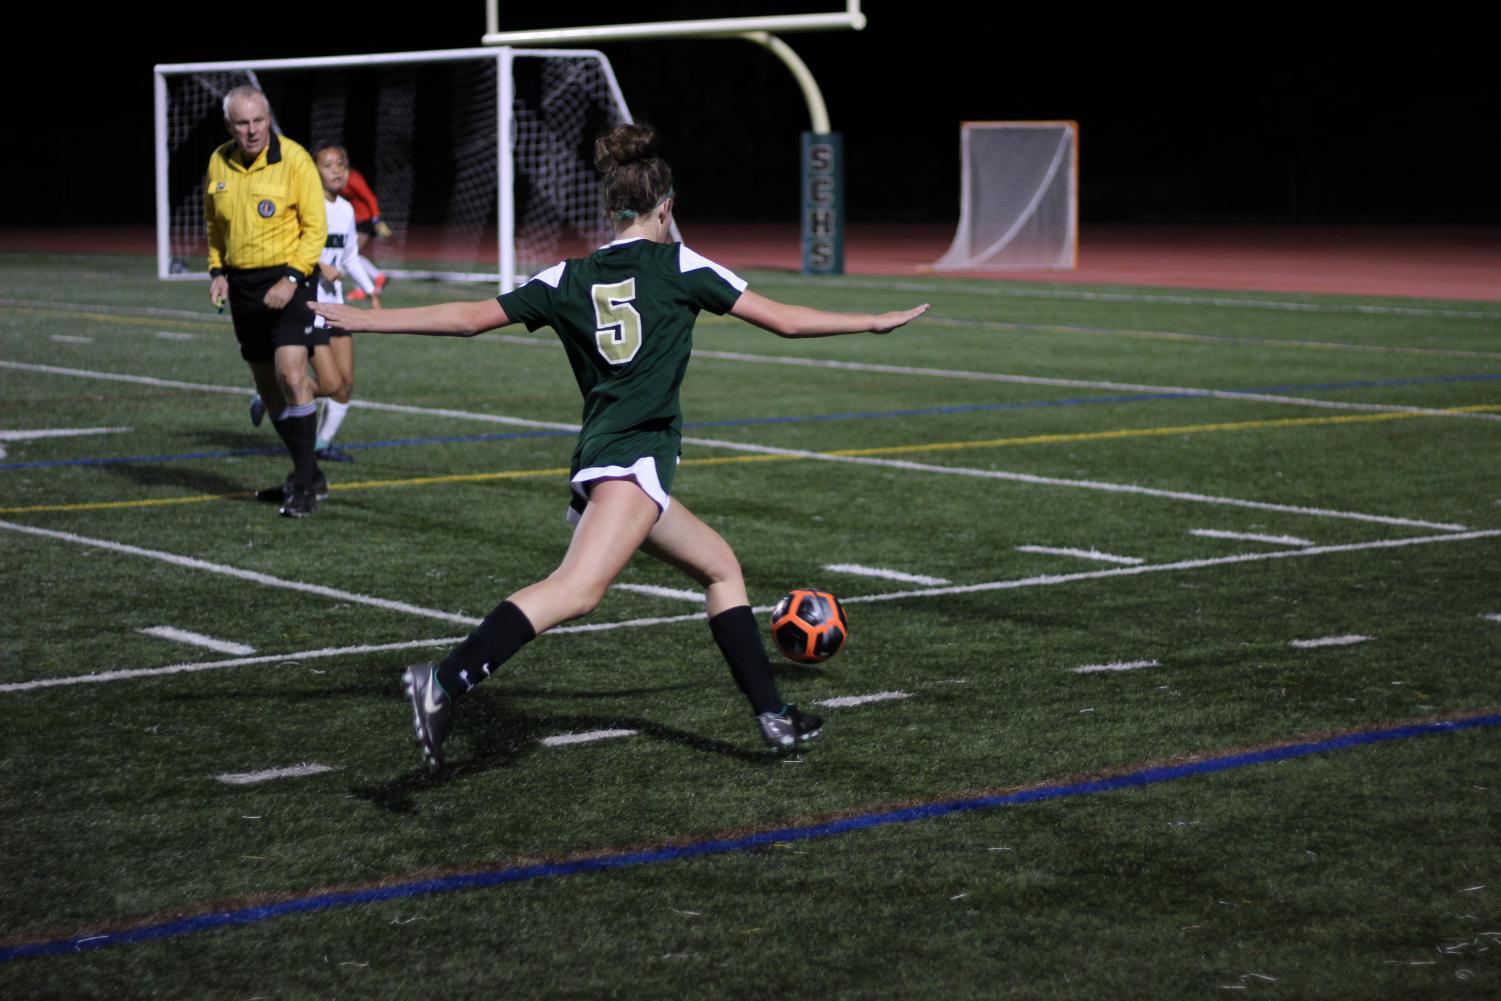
482,159
1018,197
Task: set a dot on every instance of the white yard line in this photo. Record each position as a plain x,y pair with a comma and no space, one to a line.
857,570
848,701
661,592
565,739
820,363
139,380
206,387
114,309
57,433
1496,617
465,415
1227,340
198,639
70,339
737,446
175,335
1323,641
1122,488
249,575
1083,554
1275,540
1124,665
1045,581
271,774
1222,561
1129,387
130,674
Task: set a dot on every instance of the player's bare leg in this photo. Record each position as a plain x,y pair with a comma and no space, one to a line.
613,526
682,540
334,366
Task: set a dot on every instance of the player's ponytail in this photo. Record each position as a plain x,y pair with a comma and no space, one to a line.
636,180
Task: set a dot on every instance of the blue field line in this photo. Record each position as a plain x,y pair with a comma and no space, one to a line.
1151,775
851,415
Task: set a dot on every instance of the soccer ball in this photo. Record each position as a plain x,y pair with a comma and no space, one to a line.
808,626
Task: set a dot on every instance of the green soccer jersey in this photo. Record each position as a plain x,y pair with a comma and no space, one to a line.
625,316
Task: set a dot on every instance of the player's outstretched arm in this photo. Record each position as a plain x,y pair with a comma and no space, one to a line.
787,320
447,319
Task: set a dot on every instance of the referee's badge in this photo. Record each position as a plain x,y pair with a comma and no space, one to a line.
267,208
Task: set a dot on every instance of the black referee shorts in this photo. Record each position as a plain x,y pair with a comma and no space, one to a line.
261,331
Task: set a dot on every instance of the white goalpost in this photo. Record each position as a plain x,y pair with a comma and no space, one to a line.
1018,197
482,159
822,183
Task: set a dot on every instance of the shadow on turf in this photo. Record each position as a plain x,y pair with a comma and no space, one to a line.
492,735
178,477
250,441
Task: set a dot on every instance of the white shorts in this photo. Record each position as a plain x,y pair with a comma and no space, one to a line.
643,472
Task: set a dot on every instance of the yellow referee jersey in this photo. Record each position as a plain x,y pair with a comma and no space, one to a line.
267,214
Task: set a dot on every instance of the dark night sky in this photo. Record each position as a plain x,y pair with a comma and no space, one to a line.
1253,114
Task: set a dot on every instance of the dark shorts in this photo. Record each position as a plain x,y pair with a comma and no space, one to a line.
261,331
366,226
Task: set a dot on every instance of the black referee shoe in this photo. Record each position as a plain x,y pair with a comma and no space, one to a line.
300,503
278,494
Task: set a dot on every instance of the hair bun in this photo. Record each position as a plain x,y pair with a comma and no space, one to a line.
625,144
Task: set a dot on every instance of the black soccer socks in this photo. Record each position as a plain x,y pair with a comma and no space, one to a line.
739,638
493,642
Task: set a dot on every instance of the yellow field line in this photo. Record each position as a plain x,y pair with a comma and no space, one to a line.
514,474
1059,439
1039,439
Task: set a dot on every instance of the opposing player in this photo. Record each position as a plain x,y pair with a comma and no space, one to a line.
625,315
334,366
368,222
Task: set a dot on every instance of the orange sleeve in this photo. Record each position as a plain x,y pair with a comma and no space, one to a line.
357,190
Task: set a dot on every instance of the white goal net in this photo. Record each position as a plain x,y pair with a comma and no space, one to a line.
482,159
1018,197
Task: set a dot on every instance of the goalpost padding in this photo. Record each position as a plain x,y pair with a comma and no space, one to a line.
482,158
1018,197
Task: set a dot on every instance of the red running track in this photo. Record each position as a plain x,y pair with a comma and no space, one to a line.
1442,262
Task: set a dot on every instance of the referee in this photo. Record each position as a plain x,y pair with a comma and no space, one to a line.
266,228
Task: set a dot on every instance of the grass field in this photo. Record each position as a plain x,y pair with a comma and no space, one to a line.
1182,608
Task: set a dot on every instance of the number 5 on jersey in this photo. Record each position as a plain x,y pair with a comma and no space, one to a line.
616,322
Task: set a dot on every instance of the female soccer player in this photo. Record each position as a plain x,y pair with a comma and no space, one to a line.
341,257
333,367
368,222
625,315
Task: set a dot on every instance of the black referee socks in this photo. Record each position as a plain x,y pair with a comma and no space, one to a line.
298,427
